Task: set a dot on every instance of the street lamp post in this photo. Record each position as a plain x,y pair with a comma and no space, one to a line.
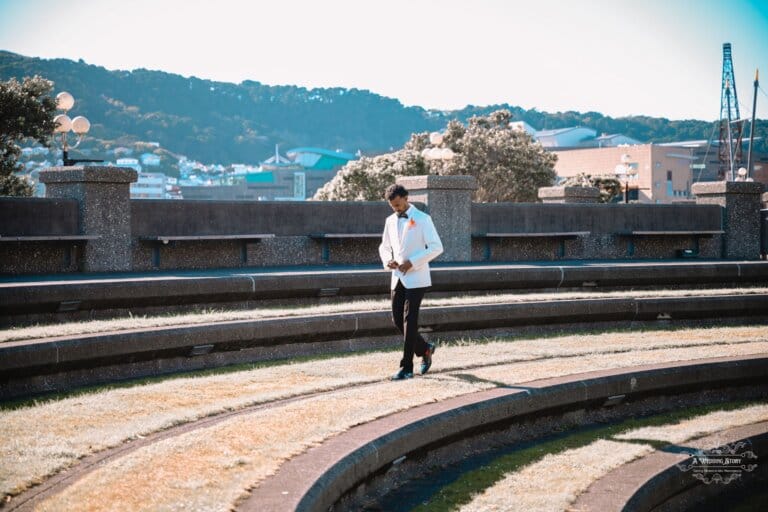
437,153
79,125
625,171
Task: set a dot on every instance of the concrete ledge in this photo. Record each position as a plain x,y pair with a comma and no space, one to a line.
315,480
658,480
34,366
65,298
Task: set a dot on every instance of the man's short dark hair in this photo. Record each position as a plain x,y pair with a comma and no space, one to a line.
394,191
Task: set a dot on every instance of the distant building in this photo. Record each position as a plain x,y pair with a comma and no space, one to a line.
655,173
133,163
150,185
706,162
522,126
616,139
150,160
565,137
122,151
295,176
318,159
573,137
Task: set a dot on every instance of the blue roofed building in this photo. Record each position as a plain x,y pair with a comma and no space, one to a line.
318,159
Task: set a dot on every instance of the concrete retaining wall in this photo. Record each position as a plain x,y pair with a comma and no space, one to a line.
38,217
294,223
128,235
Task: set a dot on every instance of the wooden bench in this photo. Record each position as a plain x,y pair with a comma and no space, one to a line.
694,235
160,240
49,238
561,236
326,238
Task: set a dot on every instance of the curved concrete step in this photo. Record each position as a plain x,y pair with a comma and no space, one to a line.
66,296
315,480
52,364
668,478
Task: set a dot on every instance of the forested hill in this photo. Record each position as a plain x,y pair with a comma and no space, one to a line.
226,123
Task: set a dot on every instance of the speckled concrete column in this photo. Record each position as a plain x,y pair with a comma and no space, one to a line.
449,202
569,194
103,194
741,214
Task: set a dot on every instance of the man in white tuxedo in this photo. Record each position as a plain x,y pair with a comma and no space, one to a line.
409,242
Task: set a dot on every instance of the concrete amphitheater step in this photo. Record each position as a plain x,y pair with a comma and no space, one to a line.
80,296
316,479
672,480
52,364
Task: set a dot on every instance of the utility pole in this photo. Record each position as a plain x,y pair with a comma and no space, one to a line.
731,124
752,124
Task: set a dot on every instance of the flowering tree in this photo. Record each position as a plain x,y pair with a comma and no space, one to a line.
26,111
609,186
365,179
507,164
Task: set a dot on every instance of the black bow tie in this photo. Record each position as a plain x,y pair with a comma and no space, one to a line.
402,215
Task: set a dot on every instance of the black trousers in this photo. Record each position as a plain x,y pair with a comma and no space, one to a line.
405,315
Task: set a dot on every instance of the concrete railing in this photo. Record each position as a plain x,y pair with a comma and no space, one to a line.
92,226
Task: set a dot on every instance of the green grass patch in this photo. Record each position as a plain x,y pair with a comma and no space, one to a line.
469,483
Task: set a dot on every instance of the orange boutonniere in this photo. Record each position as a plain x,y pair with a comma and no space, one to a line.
411,223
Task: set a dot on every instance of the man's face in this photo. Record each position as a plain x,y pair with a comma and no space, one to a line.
399,204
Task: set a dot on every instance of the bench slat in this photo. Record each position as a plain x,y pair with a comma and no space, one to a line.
321,236
49,238
180,238
554,234
673,233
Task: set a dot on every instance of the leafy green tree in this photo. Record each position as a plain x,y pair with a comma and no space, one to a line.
507,164
26,111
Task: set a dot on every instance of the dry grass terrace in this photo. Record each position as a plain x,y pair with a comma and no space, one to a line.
148,322
211,467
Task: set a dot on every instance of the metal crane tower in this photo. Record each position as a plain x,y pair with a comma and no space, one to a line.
731,124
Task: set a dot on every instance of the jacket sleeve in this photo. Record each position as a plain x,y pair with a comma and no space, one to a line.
433,245
385,248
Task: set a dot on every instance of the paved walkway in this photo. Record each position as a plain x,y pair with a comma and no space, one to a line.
438,268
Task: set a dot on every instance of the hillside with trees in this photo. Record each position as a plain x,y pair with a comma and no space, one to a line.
226,123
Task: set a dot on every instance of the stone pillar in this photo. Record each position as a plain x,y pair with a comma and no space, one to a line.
449,202
103,194
569,194
741,214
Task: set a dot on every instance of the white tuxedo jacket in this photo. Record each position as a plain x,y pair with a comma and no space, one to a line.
419,243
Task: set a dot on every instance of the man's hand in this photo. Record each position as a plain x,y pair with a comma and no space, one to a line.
405,267
392,264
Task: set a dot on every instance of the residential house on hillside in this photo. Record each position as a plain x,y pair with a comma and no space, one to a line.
150,159
132,163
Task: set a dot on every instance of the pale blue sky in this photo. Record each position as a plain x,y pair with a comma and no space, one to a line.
618,57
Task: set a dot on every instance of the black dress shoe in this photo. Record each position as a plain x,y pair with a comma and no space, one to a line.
402,375
426,361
